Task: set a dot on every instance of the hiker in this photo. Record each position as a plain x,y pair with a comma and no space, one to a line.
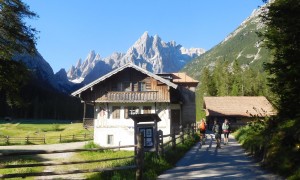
226,130
217,131
202,128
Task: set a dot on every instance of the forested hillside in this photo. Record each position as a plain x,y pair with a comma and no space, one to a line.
41,101
234,67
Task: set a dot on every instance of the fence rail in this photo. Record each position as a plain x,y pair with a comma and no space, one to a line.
8,140
175,138
138,159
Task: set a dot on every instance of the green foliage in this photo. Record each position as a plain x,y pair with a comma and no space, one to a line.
53,127
243,48
153,164
277,145
50,129
282,37
15,37
91,145
20,160
230,80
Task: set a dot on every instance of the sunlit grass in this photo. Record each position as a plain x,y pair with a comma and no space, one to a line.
50,129
19,160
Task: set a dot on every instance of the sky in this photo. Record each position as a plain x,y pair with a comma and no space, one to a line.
70,29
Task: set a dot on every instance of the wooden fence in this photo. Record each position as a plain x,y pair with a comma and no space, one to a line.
138,161
166,143
169,141
8,140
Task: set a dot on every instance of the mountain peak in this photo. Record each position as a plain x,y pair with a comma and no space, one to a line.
148,51
145,35
78,63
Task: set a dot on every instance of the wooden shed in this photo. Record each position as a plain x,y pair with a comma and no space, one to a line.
237,109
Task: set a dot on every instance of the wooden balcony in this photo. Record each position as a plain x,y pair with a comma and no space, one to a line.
133,96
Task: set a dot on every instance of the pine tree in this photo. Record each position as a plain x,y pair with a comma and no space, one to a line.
15,37
283,38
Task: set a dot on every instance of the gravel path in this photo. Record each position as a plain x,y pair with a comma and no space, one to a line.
207,162
49,147
47,158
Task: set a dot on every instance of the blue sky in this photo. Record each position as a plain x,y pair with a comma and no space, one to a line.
70,29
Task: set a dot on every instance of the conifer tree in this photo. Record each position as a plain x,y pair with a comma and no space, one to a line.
283,38
15,37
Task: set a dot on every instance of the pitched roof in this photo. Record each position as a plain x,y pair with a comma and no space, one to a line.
183,78
128,65
246,106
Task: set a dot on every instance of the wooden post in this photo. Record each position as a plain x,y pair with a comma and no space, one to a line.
84,112
44,139
60,138
173,139
181,134
193,129
160,143
27,139
139,156
7,139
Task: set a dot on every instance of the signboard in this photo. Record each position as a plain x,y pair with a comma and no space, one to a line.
148,136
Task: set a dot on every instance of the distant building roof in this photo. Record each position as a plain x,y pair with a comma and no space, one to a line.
246,106
183,78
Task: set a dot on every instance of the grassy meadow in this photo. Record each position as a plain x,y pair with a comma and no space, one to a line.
50,129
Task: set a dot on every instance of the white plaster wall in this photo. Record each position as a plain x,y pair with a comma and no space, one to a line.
123,129
121,136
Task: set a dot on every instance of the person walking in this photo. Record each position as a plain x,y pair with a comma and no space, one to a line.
226,130
202,128
217,131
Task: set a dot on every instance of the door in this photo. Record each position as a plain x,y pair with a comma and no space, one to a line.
175,120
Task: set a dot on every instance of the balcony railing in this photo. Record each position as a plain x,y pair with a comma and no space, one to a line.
142,96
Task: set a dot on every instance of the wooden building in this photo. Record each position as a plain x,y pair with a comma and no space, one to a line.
131,89
237,109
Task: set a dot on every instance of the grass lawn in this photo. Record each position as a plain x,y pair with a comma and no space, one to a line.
50,129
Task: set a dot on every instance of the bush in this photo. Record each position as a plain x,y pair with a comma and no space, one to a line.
276,146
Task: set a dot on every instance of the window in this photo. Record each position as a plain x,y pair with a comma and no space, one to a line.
126,86
142,86
110,139
116,112
130,110
147,110
135,86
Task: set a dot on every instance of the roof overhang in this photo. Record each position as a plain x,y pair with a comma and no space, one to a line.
90,85
145,118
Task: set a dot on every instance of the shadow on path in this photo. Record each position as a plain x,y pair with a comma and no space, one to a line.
208,162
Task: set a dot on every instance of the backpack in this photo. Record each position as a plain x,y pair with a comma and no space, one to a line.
225,126
202,125
216,128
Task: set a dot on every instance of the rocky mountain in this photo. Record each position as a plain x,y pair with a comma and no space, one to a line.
42,72
243,44
39,67
149,52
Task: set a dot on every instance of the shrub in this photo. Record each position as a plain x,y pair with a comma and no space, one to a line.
276,146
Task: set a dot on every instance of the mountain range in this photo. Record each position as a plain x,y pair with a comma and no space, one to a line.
149,52
243,45
157,56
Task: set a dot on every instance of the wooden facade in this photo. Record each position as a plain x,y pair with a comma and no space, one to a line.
132,89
